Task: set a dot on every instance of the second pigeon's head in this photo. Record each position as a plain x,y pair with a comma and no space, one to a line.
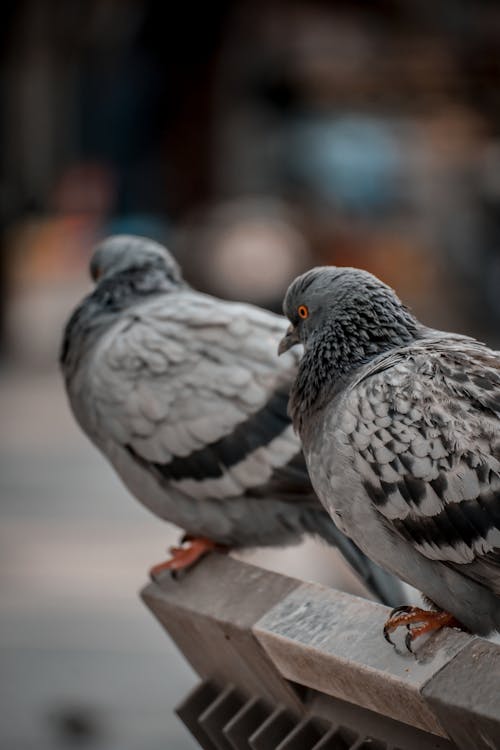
124,252
352,305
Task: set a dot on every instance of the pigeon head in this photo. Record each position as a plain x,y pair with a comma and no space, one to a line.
128,253
127,270
345,314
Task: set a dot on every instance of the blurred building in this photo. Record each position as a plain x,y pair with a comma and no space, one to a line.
375,126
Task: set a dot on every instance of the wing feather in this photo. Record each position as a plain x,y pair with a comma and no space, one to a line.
193,388
433,470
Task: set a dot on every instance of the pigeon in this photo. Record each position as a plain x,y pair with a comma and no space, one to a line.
186,397
399,425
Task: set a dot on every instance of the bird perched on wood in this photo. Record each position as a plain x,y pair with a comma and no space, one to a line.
185,396
400,429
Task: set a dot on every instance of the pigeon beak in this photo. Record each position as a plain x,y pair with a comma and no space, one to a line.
291,338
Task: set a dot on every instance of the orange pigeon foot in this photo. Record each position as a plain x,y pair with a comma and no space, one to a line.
185,556
418,621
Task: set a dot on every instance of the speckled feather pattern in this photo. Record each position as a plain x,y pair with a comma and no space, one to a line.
426,441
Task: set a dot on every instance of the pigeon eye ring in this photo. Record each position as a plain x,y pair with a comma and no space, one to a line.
303,311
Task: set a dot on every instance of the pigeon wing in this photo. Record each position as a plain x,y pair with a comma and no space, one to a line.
424,429
194,390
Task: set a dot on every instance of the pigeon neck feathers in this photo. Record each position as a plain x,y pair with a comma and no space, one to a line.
131,285
361,330
112,295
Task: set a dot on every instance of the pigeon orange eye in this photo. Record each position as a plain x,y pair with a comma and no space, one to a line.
303,311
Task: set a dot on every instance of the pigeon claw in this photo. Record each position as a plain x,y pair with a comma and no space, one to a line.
184,557
395,615
417,622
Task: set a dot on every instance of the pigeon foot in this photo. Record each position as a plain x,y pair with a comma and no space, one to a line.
191,550
418,622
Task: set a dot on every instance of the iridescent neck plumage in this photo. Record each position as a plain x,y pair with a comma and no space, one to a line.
335,352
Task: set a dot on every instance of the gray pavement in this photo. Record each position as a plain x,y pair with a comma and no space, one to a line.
82,662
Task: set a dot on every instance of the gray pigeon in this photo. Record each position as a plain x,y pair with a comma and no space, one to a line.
185,396
399,425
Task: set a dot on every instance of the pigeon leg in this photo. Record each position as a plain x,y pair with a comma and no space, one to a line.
192,549
410,616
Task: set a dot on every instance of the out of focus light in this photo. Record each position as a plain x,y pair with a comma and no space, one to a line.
248,249
256,258
350,160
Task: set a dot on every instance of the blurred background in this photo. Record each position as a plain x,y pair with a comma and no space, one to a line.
254,139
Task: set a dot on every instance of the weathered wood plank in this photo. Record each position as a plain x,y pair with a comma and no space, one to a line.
333,642
210,613
465,695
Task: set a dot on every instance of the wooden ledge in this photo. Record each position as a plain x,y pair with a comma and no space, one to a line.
273,637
